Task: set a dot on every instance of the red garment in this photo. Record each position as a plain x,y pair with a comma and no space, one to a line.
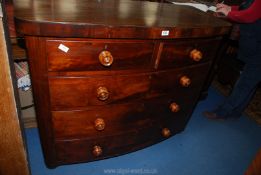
234,7
248,15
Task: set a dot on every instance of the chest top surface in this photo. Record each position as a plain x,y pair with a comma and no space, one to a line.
114,19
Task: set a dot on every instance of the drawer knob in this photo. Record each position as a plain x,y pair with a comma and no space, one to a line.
105,58
97,151
99,124
185,81
196,55
174,107
165,132
102,93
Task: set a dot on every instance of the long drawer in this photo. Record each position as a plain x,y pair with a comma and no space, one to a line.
81,92
120,118
80,150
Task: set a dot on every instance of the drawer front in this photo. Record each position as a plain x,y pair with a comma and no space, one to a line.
105,147
99,121
78,93
179,81
75,93
88,55
116,119
183,53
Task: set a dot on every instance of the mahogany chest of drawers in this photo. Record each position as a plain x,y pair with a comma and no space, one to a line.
111,77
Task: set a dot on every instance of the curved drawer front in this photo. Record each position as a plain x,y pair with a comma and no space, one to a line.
110,146
184,53
79,55
77,93
80,150
116,119
179,81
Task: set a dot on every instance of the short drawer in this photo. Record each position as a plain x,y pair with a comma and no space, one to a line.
184,53
85,55
116,119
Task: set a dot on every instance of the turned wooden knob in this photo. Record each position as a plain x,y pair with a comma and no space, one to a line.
102,93
174,107
196,55
185,81
165,132
97,151
105,58
99,124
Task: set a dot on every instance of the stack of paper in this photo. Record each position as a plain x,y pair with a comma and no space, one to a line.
199,6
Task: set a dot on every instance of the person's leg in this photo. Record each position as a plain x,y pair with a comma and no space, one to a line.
234,105
241,95
250,53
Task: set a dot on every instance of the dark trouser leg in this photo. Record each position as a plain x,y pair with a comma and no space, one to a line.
250,53
235,104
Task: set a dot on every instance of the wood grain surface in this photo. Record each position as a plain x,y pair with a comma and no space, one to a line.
13,158
114,19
